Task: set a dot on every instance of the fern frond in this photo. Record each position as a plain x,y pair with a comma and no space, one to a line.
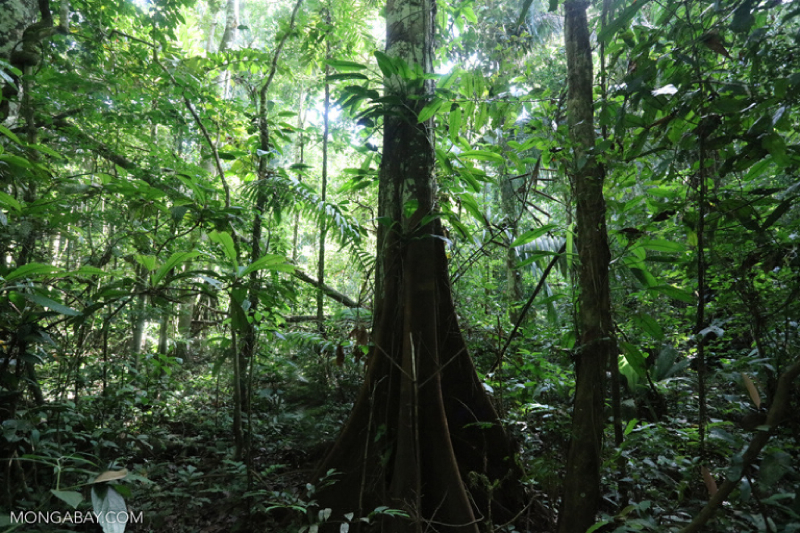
287,192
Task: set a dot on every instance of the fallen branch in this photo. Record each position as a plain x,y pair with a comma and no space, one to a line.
775,416
331,293
97,146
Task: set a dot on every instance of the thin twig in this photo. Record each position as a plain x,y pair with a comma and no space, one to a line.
528,305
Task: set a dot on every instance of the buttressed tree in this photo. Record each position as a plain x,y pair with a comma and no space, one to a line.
423,436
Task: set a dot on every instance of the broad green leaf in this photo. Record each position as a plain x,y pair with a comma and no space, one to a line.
648,324
31,269
70,497
16,161
53,305
467,176
634,356
343,65
602,523
642,274
666,192
743,18
46,150
533,257
455,123
199,194
773,142
224,238
11,135
429,110
346,76
663,245
86,271
569,248
526,5
469,14
631,374
622,20
147,261
483,155
239,314
775,465
532,235
471,205
9,202
386,64
174,259
666,366
269,261
778,212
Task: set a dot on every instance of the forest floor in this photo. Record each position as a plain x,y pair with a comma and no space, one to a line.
178,450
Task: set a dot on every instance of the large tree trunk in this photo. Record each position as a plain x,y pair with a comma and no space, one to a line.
582,482
423,436
17,15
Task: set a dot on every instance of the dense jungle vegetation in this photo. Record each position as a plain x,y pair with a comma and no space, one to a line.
444,266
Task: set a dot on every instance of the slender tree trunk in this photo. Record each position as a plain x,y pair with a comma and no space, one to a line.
300,159
582,481
231,34
238,431
138,315
511,215
163,334
228,42
423,437
323,224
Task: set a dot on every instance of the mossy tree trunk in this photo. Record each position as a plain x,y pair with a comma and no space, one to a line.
423,436
582,481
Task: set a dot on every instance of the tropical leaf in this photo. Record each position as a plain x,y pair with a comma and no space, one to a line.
269,262
174,260
229,249
31,270
52,304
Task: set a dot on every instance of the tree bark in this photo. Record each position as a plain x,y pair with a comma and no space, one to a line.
423,436
582,481
230,36
16,16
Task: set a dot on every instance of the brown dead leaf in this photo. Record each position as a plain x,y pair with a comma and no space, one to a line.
708,479
752,390
111,475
